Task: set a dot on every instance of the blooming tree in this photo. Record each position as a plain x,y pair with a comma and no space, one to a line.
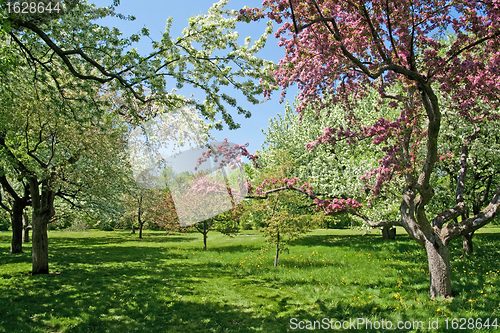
71,58
483,162
334,171
335,50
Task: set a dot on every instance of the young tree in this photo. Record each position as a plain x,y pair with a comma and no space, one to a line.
286,219
209,204
151,208
336,50
164,214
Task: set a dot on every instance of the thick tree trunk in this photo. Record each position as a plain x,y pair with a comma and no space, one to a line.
276,258
27,228
388,232
17,227
438,256
40,246
43,210
467,247
140,230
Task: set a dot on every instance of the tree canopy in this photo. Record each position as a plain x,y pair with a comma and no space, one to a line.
336,51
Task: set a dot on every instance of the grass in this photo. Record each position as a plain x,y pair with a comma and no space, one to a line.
114,282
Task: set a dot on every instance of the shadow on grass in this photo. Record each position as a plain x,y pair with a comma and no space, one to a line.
163,238
114,295
16,258
113,308
233,248
467,272
137,288
92,240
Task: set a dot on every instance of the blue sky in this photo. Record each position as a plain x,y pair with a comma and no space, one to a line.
153,15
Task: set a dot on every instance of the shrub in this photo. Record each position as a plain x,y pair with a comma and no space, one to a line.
4,221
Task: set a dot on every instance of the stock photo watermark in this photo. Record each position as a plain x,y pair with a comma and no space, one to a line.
383,324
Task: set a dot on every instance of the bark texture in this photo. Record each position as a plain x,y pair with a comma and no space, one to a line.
388,232
467,247
43,210
17,227
27,228
438,256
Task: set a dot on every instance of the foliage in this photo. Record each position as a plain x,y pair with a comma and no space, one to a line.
483,160
4,220
334,171
94,55
340,221
228,223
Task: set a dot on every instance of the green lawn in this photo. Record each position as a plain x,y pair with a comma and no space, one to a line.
114,282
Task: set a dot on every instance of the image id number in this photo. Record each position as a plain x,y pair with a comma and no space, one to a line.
470,323
33,7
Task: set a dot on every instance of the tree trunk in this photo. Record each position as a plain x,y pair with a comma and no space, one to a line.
16,216
205,232
139,213
438,256
133,228
43,210
27,228
467,247
388,232
276,258
40,246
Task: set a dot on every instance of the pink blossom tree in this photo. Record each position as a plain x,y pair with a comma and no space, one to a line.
336,50
211,198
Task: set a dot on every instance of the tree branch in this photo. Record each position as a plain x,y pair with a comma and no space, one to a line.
11,155
431,106
375,36
449,214
7,187
471,45
473,223
265,195
64,57
293,18
389,28
315,195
